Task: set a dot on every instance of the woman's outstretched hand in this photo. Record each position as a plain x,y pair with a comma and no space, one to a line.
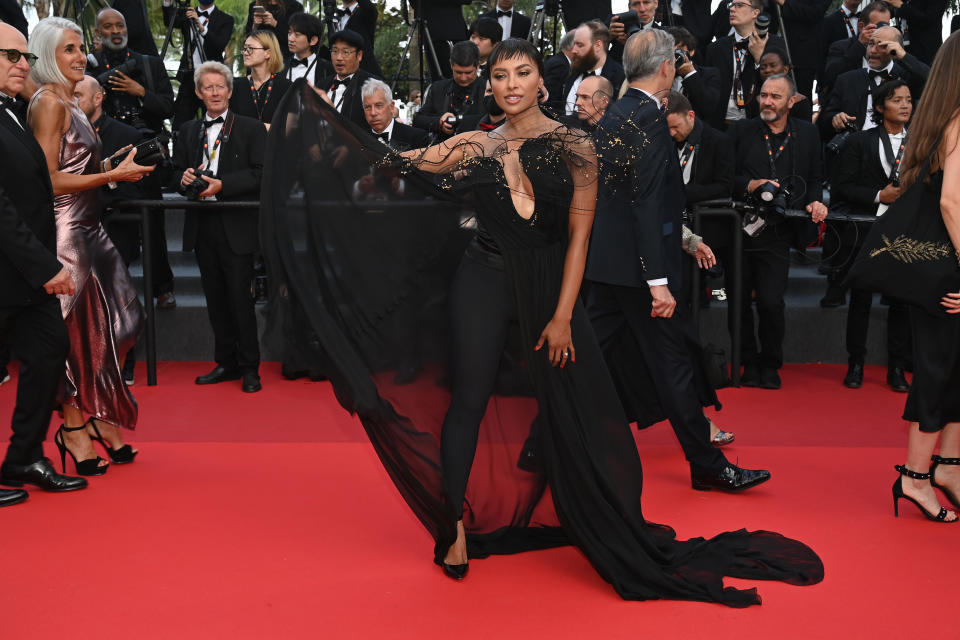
952,302
128,170
559,342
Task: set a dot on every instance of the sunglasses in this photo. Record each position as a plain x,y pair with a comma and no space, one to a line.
14,55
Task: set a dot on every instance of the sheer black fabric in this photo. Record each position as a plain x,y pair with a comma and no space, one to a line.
371,258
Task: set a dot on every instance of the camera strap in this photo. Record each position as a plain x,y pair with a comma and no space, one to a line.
209,154
687,153
772,155
893,161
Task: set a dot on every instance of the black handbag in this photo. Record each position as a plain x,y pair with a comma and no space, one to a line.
908,254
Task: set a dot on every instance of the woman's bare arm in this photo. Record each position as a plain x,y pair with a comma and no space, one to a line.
447,154
950,198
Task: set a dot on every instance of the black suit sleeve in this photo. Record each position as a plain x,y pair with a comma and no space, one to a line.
814,160
183,154
851,169
28,255
843,56
917,72
247,180
12,14
716,162
158,101
923,15
428,118
648,174
738,132
703,91
218,35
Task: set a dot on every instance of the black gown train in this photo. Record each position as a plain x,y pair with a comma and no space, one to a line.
361,249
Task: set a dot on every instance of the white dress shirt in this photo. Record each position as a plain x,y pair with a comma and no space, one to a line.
388,131
854,21
347,12
571,105
896,139
733,111
299,71
506,22
337,95
212,163
870,124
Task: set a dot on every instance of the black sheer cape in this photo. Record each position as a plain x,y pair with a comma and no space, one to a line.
361,246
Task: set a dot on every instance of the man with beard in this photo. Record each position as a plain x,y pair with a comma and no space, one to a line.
782,154
138,93
851,53
588,57
774,63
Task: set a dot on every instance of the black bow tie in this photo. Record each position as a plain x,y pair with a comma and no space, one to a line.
882,74
209,123
508,14
205,14
337,82
7,102
298,61
385,137
742,44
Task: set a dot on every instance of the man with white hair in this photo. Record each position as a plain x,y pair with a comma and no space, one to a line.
225,151
378,110
30,278
635,259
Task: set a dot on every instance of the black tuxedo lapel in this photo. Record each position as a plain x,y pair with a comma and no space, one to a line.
25,138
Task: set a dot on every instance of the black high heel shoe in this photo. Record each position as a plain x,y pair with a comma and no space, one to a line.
898,493
951,496
123,455
456,571
90,467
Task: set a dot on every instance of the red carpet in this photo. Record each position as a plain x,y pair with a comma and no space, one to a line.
269,516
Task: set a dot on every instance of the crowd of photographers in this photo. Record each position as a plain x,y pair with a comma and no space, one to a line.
778,106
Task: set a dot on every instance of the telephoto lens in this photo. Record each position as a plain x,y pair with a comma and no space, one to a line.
763,25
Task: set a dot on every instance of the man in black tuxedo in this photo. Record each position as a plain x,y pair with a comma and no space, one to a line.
736,57
921,22
646,11
458,98
378,110
802,21
30,276
701,85
360,16
342,89
138,26
231,147
634,263
842,23
513,23
851,53
556,68
773,151
143,98
866,182
303,41
851,99
206,33
589,57
444,21
692,15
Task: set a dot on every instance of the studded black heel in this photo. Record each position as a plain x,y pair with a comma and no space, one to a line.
947,491
898,493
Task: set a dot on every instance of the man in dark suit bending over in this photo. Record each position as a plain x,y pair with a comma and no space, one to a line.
634,265
30,275
231,147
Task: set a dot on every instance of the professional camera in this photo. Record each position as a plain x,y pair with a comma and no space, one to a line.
453,121
149,152
193,190
126,69
630,21
680,58
839,141
762,25
769,206
329,8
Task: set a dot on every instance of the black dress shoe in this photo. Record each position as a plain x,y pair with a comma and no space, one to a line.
731,478
41,474
219,374
456,571
251,382
12,496
854,377
769,379
751,376
897,380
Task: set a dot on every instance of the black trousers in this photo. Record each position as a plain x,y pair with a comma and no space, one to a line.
666,355
898,330
766,266
226,277
40,341
482,309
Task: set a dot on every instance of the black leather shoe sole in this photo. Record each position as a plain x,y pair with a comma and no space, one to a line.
73,486
711,485
8,498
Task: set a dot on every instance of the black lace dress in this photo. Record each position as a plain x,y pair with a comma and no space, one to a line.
365,258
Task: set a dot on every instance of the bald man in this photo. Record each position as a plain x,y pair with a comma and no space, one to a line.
593,97
30,276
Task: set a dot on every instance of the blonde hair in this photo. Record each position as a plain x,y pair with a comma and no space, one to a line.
44,40
269,41
213,67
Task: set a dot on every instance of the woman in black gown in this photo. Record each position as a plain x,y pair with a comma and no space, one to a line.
450,441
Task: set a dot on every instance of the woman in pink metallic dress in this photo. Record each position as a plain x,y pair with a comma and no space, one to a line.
104,317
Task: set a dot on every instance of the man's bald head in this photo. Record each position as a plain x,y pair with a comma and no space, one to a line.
13,75
593,98
112,29
89,96
878,50
109,14
888,34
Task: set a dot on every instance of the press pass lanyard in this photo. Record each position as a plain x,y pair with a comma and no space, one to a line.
211,154
268,85
740,55
686,154
772,155
893,161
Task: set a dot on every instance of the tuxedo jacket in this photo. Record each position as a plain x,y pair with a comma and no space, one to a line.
445,19
322,68
12,14
636,233
703,91
834,29
720,57
352,104
139,35
711,174
156,105
556,68
519,26
216,39
859,174
436,102
404,137
611,70
241,167
924,26
803,20
849,94
695,19
576,12
363,20
241,102
28,233
842,56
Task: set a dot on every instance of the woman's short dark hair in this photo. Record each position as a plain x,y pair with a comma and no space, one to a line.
512,49
880,96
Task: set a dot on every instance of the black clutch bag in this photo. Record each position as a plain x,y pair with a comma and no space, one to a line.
908,254
149,152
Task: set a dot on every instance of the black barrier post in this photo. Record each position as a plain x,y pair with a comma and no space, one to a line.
146,259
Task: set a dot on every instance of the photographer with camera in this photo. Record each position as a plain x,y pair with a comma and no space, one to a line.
640,15
852,96
220,157
273,16
850,53
450,101
206,33
778,166
737,57
137,92
701,85
866,182
588,57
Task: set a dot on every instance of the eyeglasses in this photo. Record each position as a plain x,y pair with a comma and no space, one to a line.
14,55
739,5
337,51
248,49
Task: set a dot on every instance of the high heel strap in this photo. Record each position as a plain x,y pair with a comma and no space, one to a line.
910,473
64,427
939,460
